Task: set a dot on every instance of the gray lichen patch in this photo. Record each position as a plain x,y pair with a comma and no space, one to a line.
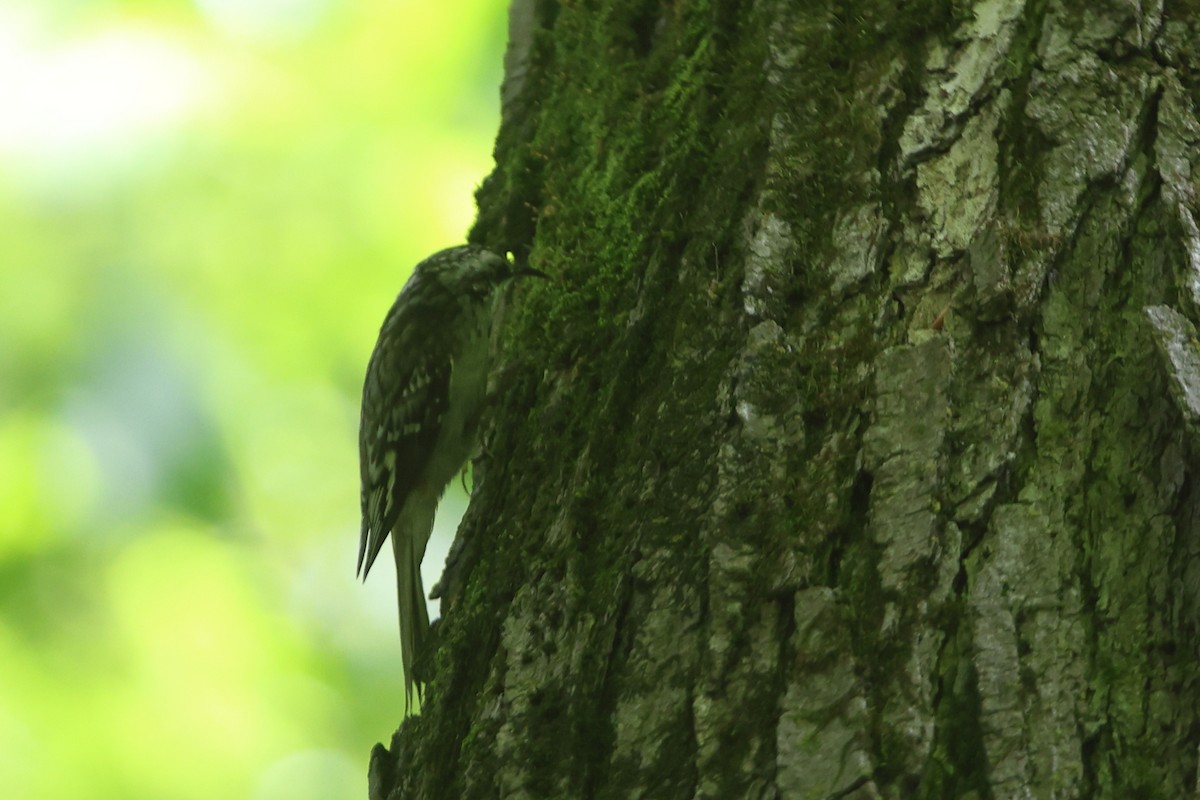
823,739
969,72
1102,108
902,450
1027,619
1176,339
1177,147
958,190
768,247
857,235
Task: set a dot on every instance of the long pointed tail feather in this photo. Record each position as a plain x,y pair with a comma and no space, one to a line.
409,538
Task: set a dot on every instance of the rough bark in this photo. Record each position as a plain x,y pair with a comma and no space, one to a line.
850,454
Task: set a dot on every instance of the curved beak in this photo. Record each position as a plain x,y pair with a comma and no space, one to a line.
529,272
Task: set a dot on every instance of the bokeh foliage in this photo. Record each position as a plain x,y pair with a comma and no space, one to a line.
186,308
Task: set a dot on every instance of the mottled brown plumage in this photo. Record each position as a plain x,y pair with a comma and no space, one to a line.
422,396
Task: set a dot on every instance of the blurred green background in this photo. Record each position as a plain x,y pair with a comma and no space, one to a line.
206,208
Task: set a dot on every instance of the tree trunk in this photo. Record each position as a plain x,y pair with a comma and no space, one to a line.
848,453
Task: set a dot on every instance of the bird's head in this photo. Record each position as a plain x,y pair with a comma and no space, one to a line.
472,270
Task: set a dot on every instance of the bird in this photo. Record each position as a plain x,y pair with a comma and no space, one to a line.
422,398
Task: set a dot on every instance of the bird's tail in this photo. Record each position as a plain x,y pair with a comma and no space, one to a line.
408,546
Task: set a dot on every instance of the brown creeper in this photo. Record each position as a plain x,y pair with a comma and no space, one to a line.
422,398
